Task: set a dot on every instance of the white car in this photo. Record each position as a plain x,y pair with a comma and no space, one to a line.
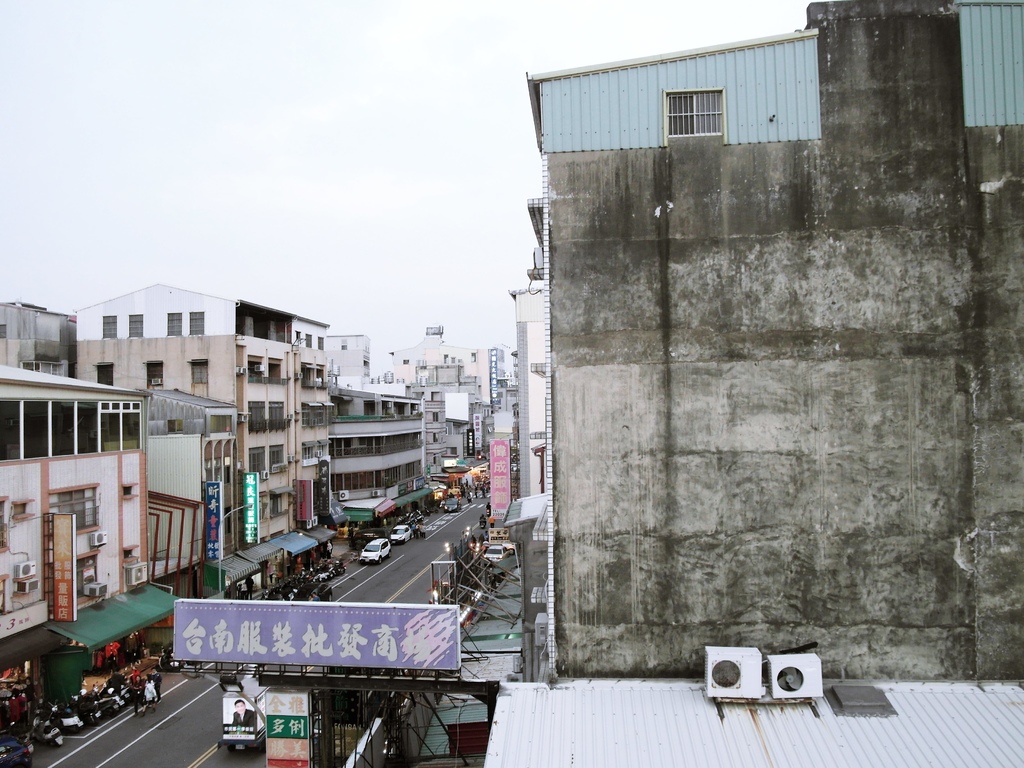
499,551
377,551
401,534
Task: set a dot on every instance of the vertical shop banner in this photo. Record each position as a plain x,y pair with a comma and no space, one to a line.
65,574
251,508
501,478
288,733
214,520
303,500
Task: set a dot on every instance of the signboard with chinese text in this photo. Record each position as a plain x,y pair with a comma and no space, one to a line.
288,732
65,572
303,500
420,637
251,507
501,478
214,520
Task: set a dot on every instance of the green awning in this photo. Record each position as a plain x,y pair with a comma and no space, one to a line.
413,496
116,617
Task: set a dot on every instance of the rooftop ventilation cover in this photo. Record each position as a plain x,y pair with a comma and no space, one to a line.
795,676
732,673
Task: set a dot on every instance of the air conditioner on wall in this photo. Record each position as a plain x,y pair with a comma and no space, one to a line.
29,585
243,417
260,368
25,570
342,495
264,475
795,676
375,494
135,574
239,371
156,382
732,673
97,538
95,589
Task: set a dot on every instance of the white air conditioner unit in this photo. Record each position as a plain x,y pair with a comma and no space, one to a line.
29,585
375,494
732,673
319,454
243,417
291,457
135,574
25,570
239,371
319,382
264,475
342,495
795,676
97,538
260,368
95,589
156,382
278,467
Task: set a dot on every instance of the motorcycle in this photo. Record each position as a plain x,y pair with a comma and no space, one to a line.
45,732
108,701
483,521
167,662
64,717
85,707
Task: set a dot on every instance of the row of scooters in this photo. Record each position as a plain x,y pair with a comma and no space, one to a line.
54,720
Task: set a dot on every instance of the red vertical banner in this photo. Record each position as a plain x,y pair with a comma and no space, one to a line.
303,500
64,606
501,478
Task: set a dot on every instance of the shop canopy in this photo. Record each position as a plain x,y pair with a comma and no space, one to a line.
234,567
413,496
116,617
260,553
365,509
26,645
337,515
295,542
320,533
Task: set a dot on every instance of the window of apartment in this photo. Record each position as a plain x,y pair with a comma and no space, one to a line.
135,326
196,323
62,428
319,342
697,113
277,456
175,426
88,428
200,371
3,330
174,323
309,341
155,373
105,374
81,503
220,424
120,426
3,525
405,362
86,567
110,326
257,459
472,357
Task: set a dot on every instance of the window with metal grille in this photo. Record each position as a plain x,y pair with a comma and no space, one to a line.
695,114
196,323
81,503
105,374
174,323
135,326
110,326
200,372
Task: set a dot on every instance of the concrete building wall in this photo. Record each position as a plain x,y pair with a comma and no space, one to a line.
785,380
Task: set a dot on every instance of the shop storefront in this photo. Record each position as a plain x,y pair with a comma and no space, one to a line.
120,619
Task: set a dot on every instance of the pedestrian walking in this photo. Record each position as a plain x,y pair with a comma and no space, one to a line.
250,585
149,692
137,686
158,680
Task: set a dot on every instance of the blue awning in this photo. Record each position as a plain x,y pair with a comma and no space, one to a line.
295,542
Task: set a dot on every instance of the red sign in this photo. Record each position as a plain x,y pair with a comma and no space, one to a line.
303,500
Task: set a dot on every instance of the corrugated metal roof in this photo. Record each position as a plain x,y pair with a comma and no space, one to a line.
992,57
653,723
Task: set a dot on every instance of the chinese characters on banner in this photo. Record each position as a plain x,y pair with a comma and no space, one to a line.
65,606
251,506
287,729
214,520
303,500
501,478
422,637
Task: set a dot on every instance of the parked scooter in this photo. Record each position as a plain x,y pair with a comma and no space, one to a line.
107,701
44,731
167,662
86,707
64,717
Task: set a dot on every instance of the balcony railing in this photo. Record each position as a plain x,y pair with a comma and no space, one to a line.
383,417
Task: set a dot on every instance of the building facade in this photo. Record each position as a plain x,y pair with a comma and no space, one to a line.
785,347
270,364
33,338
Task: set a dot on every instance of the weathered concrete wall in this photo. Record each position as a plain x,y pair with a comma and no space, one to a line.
767,367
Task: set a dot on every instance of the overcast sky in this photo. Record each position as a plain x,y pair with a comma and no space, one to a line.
366,165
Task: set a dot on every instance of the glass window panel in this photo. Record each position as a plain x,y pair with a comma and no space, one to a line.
37,429
63,428
10,429
110,431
